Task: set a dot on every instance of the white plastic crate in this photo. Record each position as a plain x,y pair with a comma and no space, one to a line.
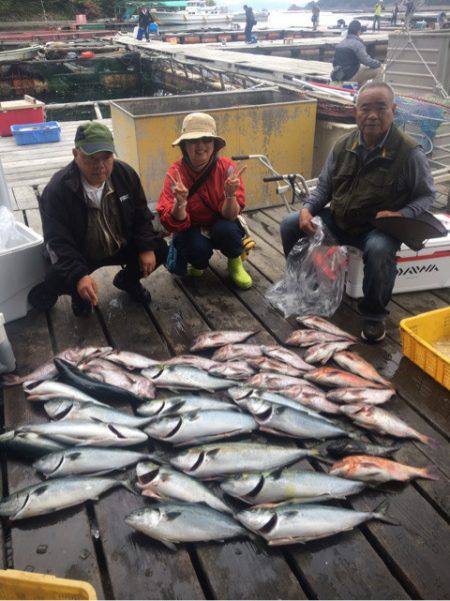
21,267
424,270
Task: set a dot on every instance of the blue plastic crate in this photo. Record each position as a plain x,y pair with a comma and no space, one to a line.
36,133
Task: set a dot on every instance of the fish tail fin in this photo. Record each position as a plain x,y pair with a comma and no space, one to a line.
128,484
431,473
428,440
380,513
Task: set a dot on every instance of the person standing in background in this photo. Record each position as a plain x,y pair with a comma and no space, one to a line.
394,15
315,15
144,21
409,12
377,17
250,22
351,61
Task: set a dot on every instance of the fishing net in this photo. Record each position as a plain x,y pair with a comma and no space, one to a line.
419,116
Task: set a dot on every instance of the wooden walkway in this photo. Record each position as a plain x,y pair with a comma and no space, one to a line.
376,561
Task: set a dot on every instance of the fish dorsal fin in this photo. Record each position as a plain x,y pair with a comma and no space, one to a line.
172,515
115,431
276,474
212,453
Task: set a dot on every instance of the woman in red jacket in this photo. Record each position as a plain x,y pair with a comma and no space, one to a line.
202,198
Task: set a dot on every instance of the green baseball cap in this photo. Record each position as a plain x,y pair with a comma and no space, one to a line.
94,137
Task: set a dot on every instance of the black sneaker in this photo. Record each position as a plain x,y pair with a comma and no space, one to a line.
80,306
373,331
135,290
41,298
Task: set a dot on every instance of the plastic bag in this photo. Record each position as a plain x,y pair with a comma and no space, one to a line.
9,234
314,280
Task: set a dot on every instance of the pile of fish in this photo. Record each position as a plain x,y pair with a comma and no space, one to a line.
284,405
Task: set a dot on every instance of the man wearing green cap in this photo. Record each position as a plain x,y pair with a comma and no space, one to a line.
94,213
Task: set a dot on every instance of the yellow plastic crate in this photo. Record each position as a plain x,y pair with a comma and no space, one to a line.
418,333
15,584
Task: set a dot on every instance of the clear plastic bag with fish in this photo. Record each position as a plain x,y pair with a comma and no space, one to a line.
315,276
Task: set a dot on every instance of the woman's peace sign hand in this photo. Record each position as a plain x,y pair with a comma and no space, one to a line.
179,190
233,182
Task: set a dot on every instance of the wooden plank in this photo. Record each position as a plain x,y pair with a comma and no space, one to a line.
157,572
419,543
60,544
34,220
234,570
25,197
222,309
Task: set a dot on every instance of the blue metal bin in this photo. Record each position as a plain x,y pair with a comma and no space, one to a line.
36,133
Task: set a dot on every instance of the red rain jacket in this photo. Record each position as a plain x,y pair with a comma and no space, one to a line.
199,212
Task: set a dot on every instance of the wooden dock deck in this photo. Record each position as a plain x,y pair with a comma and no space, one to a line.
92,542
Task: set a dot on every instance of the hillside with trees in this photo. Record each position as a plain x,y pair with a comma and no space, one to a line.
35,10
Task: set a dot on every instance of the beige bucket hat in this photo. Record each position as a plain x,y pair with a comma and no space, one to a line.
199,125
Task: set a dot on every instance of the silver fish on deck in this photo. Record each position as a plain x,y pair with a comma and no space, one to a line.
289,484
47,497
319,323
285,421
48,371
236,370
28,444
233,352
273,381
219,459
277,399
45,391
312,337
109,373
88,433
379,420
163,483
131,360
86,460
274,366
181,377
192,360
376,470
311,397
322,353
200,426
220,338
177,405
286,356
342,448
295,523
173,523
73,410
336,378
359,366
368,396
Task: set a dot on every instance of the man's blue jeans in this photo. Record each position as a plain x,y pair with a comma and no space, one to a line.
195,248
379,256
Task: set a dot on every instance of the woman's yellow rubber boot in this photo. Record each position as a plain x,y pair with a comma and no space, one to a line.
238,274
193,272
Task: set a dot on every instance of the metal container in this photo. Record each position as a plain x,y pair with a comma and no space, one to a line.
265,121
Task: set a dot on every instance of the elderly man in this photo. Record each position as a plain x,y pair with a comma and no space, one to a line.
351,61
376,171
94,213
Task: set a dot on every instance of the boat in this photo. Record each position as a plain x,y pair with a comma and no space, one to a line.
195,12
19,54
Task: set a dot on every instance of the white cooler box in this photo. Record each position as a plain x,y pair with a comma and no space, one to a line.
424,270
21,268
